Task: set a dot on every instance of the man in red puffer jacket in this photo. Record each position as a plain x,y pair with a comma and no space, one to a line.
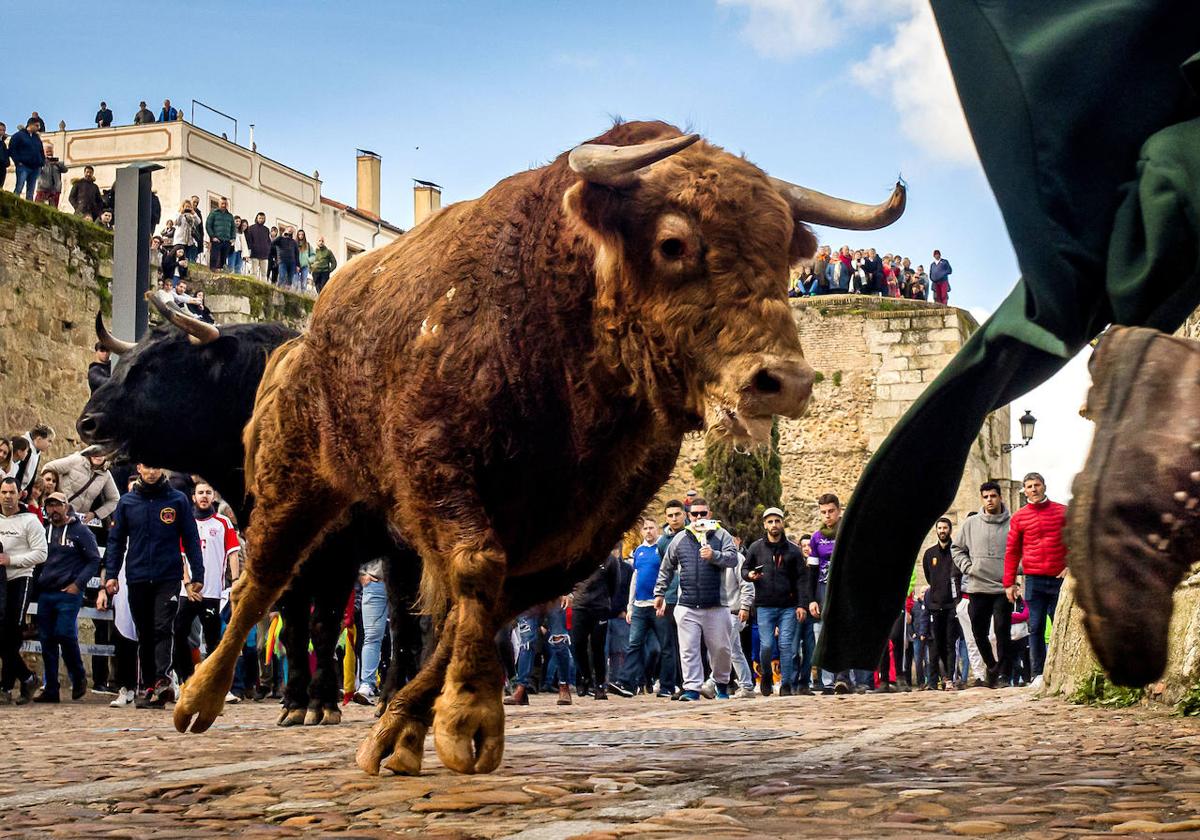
1035,543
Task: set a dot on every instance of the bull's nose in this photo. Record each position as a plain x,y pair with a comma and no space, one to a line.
87,425
781,387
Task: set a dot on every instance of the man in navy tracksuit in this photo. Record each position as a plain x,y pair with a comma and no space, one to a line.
152,521
71,559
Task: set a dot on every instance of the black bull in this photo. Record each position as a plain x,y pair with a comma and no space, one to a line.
175,403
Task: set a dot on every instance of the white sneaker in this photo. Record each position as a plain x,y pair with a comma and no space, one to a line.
124,698
1037,682
744,693
365,695
232,698
709,690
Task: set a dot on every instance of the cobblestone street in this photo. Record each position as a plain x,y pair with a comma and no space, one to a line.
974,763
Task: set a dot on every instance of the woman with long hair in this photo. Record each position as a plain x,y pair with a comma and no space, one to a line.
49,482
7,465
186,226
306,254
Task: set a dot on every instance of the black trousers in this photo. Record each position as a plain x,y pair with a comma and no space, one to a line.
16,600
320,278
941,630
153,605
991,609
208,611
589,631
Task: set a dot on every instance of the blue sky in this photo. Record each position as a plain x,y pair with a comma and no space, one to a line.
840,95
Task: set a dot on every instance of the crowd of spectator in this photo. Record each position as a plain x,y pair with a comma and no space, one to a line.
865,272
223,241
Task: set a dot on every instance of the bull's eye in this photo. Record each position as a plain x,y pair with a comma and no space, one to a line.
673,248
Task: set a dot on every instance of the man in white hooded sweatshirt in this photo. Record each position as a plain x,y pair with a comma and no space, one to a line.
22,547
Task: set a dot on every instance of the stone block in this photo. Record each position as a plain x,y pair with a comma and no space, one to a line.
892,377
907,392
911,376
952,335
887,338
228,304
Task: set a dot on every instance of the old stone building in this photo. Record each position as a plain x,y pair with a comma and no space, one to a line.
873,358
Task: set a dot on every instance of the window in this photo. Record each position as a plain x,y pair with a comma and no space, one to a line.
353,250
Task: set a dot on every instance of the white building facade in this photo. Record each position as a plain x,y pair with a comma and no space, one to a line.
196,162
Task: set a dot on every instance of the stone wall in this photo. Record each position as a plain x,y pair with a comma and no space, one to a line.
873,358
55,272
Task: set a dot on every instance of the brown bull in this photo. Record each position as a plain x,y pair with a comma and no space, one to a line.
510,384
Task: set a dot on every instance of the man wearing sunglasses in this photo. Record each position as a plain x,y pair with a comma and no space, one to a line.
701,553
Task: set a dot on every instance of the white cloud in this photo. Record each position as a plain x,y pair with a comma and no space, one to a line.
979,313
910,70
1061,437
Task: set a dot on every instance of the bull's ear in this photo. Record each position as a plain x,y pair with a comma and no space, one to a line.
804,243
596,208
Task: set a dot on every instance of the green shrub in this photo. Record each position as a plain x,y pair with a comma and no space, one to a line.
1097,690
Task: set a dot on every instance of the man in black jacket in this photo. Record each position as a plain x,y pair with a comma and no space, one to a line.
72,558
153,520
591,608
85,195
776,567
941,599
287,252
258,240
3,154
104,116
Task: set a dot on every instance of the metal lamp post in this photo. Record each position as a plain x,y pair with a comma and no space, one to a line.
1027,422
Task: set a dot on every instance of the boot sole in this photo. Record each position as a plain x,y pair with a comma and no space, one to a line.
1133,345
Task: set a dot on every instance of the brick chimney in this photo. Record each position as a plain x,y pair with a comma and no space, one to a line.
427,200
368,182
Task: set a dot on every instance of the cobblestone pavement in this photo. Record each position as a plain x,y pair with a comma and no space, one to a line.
979,762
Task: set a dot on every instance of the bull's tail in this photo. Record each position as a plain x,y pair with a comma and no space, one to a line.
433,598
274,375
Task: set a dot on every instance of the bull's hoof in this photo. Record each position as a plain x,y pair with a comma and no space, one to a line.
200,702
291,717
468,729
399,740
313,716
332,716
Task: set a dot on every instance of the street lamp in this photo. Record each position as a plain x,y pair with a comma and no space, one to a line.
1027,422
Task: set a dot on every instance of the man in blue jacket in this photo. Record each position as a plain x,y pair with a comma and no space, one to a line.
700,552
149,525
71,560
25,149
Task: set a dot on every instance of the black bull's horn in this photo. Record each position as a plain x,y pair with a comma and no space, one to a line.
109,341
200,332
619,166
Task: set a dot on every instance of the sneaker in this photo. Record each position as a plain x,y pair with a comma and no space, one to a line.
708,690
827,690
5,698
124,698
766,689
785,691
686,696
841,687
599,693
676,694
105,688
44,696
744,693
79,689
1036,683
804,691
365,696
619,690
141,700
162,694
722,691
669,695
232,698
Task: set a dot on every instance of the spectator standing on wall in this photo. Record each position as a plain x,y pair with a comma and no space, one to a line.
4,158
49,182
221,232
25,149
305,252
288,256
101,367
939,276
85,196
258,245
35,123
168,113
144,116
237,247
323,263
104,116
186,226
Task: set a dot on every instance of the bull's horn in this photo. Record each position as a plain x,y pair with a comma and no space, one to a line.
815,207
109,341
617,166
203,333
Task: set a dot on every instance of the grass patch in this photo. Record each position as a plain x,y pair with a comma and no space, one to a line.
1189,703
818,377
1097,690
837,379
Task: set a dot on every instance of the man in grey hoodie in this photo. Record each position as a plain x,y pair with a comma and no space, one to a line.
979,554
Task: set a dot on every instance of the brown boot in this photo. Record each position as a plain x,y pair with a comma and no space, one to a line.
564,694
518,698
1131,526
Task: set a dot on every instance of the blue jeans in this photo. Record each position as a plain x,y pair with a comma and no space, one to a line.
647,637
374,616
287,274
921,674
302,277
26,179
964,661
234,262
1041,595
804,644
527,632
245,676
57,620
770,619
558,666
618,646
